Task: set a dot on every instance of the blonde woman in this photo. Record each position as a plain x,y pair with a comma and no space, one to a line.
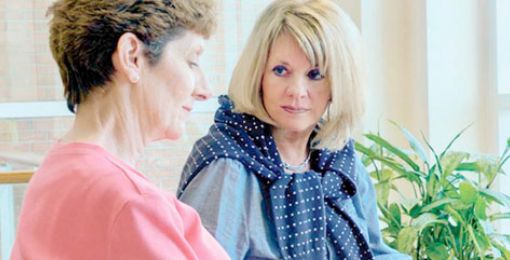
277,176
130,73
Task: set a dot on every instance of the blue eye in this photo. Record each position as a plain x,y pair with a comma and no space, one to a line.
315,74
280,70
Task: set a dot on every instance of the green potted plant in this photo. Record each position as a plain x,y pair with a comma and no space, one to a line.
452,210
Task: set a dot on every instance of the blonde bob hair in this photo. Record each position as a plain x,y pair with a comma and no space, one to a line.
329,39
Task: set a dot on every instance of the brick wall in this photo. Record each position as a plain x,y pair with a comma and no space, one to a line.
28,73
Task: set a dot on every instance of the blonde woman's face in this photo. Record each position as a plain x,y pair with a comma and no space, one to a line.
295,93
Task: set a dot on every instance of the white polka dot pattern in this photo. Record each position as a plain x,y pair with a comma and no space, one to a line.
306,208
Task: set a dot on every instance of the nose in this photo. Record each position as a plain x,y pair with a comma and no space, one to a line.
202,91
297,88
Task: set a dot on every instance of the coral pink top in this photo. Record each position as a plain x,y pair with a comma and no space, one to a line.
83,203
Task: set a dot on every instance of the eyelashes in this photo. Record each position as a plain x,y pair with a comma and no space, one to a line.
280,70
313,74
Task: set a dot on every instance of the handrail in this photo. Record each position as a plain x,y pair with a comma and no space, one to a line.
12,177
29,159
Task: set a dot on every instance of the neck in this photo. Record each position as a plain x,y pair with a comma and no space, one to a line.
292,146
109,118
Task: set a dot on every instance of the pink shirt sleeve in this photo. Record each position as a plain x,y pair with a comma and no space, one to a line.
150,227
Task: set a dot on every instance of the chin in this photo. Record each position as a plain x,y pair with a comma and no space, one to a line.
296,127
174,133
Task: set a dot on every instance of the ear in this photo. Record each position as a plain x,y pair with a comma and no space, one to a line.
128,57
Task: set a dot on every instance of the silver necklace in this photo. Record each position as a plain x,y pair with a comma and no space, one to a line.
297,168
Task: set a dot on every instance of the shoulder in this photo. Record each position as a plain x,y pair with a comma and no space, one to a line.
221,173
155,206
225,166
223,183
88,173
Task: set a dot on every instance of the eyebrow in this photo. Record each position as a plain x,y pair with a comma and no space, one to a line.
287,64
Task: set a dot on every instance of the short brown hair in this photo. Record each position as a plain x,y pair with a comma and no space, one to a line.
84,35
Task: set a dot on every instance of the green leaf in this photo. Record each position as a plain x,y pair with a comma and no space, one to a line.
451,161
503,239
438,161
391,231
489,167
387,216
394,150
395,212
504,251
469,166
365,160
480,240
389,162
437,204
475,240
423,220
386,175
413,176
432,184
468,193
408,203
508,142
453,141
406,239
496,196
503,162
384,160
454,214
415,211
437,251
414,143
364,150
382,190
498,216
480,208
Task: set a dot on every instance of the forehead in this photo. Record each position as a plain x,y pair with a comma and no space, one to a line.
189,42
286,48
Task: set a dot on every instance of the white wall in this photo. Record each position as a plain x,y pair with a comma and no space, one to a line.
395,41
431,68
460,73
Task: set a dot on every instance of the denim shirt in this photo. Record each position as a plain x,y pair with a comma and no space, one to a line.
232,206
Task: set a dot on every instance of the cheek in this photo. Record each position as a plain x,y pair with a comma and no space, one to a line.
270,88
182,84
322,99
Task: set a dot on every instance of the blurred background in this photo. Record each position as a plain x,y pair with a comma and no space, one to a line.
433,66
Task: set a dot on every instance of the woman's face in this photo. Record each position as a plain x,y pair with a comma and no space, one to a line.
173,84
295,92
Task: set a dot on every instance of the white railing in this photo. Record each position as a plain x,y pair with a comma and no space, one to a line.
9,177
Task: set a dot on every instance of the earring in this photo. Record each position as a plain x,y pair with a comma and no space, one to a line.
135,78
327,111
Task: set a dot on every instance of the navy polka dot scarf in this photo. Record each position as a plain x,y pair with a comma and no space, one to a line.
307,207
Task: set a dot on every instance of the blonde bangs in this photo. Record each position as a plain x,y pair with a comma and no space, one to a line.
310,37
